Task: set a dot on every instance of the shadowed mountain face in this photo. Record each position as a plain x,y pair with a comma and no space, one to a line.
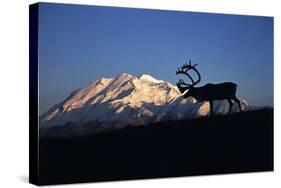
112,103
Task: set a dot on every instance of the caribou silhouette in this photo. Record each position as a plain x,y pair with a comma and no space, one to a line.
208,92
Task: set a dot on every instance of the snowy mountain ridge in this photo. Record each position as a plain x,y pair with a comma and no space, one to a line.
127,100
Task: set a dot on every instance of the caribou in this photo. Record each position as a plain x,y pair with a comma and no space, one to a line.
208,92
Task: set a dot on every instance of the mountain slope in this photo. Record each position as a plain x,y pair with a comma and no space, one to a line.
240,142
127,100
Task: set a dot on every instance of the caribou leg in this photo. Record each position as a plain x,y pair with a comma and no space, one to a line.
230,105
238,102
211,107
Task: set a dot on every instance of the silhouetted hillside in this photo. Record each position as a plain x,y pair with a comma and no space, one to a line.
241,142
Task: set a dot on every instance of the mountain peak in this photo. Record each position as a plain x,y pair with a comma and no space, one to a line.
123,75
149,78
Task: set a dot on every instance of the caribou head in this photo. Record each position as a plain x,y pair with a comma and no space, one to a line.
182,86
208,92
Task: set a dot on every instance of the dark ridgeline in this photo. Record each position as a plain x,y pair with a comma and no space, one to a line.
208,92
239,142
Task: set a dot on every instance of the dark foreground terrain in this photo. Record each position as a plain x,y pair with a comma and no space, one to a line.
241,142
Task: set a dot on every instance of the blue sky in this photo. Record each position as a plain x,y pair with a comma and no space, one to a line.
78,44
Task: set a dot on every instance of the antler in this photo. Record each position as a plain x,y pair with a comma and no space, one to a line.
181,82
183,70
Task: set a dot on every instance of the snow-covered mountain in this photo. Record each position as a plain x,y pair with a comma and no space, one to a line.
127,100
